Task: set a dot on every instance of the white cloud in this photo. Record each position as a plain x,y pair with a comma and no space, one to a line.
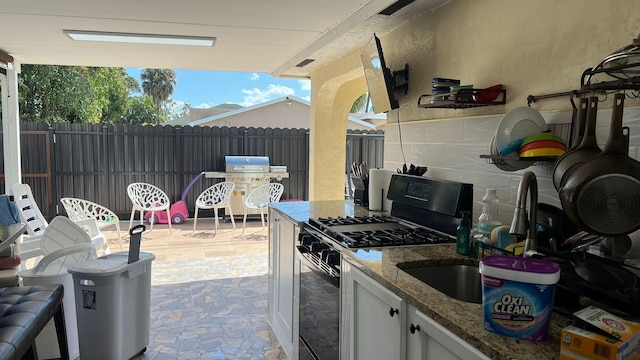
305,85
202,106
256,96
254,77
308,98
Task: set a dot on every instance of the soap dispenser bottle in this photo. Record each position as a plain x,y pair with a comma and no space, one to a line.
463,232
489,219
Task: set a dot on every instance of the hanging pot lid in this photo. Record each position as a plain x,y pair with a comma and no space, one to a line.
624,63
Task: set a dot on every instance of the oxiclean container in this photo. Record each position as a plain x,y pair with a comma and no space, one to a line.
517,295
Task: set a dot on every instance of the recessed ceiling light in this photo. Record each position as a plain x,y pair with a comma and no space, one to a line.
140,38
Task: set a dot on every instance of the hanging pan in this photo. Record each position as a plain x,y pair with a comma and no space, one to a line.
602,196
588,147
579,119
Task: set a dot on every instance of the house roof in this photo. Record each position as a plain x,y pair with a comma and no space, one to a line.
208,120
247,109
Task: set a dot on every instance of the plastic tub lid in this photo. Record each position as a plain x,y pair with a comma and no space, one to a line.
109,264
529,270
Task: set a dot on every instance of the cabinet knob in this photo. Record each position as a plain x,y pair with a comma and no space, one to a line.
414,328
393,311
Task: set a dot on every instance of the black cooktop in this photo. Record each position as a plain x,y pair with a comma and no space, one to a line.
376,231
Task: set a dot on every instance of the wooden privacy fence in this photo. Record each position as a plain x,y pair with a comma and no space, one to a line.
96,162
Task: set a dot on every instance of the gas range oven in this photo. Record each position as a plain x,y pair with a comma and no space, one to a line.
424,211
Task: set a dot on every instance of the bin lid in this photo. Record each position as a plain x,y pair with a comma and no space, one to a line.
111,264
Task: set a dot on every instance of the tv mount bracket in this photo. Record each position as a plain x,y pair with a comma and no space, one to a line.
403,85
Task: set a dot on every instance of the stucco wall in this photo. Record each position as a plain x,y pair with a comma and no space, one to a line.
531,47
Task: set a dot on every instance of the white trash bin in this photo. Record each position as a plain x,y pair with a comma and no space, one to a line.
113,305
51,270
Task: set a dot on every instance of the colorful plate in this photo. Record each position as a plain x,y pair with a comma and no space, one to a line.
508,164
517,124
542,136
542,152
543,144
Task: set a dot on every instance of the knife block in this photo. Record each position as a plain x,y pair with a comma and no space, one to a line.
361,192
361,197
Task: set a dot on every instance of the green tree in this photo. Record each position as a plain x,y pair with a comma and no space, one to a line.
140,110
361,104
80,94
158,85
175,110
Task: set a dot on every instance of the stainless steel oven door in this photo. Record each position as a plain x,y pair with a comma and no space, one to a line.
319,312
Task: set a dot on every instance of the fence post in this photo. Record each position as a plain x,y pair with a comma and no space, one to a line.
104,179
245,141
179,156
51,188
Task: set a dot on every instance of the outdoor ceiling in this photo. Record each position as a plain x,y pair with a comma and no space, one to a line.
270,36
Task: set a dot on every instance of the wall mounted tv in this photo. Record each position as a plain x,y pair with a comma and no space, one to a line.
380,80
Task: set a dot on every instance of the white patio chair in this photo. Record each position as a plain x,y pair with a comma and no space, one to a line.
30,214
215,197
147,197
259,199
79,209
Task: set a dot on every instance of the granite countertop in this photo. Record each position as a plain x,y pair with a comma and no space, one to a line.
462,318
301,211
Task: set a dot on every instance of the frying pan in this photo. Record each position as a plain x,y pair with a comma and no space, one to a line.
602,196
587,148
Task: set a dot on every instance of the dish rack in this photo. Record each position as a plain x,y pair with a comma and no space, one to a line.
463,99
488,249
562,130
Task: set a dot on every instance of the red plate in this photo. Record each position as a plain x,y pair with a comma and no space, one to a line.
543,144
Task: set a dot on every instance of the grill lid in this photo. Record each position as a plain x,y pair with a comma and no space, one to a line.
243,164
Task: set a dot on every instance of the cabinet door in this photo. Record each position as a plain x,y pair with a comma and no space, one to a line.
375,318
428,340
282,312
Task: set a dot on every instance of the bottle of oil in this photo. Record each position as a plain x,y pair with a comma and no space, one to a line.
463,233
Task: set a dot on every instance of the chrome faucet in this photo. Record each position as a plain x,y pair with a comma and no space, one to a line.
528,184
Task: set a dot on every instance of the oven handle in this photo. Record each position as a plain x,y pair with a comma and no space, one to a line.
335,281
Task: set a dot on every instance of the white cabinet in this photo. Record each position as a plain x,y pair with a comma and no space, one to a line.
283,309
372,318
377,324
426,340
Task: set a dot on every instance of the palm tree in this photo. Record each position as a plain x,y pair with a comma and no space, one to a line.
158,85
361,104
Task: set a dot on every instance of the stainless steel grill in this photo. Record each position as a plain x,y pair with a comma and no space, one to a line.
247,172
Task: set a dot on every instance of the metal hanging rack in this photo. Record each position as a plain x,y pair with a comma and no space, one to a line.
620,84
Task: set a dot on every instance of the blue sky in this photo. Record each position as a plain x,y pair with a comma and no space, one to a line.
202,89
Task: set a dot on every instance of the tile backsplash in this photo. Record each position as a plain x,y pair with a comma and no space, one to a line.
451,150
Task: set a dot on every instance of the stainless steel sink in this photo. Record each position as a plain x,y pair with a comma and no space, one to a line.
461,282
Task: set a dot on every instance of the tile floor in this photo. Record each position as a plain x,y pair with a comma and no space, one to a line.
208,293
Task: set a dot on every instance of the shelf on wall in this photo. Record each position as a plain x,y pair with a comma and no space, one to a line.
492,158
464,99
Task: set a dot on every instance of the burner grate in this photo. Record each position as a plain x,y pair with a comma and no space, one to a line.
354,220
393,237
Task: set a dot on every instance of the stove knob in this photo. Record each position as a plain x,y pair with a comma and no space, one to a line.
324,253
307,240
317,247
333,258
